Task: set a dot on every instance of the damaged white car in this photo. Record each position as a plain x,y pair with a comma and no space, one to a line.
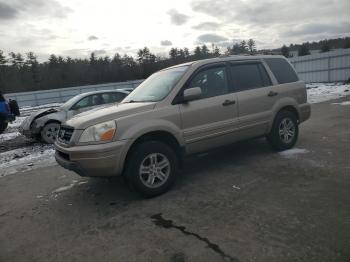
44,124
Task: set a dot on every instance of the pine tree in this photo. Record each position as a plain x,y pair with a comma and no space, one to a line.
33,64
3,59
251,46
243,48
186,52
173,53
303,50
325,48
205,51
216,51
285,51
197,52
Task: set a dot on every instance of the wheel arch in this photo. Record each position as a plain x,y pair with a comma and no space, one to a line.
163,136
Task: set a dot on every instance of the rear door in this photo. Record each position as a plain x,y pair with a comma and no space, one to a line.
208,120
256,96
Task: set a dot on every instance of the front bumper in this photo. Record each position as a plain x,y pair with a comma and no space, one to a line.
99,160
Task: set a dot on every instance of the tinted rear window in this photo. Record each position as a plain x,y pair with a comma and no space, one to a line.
282,70
249,75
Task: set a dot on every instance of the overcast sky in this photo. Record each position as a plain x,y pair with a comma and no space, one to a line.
77,27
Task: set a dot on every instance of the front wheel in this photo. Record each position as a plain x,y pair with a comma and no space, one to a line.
50,132
284,132
151,168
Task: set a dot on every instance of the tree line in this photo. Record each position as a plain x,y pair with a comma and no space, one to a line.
22,72
323,46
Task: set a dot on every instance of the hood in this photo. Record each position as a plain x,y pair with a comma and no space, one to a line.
37,114
93,117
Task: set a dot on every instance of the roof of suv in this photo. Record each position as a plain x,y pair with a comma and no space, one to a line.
226,58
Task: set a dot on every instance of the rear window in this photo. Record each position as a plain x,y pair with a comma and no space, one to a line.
2,99
247,76
282,70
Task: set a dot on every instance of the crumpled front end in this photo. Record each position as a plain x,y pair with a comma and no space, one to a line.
32,125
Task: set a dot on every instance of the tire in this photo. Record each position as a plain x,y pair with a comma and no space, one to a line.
284,132
3,126
49,132
147,156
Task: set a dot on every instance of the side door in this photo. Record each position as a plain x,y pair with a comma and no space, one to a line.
256,96
210,120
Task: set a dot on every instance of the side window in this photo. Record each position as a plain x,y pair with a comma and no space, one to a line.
247,76
113,97
282,70
212,81
97,100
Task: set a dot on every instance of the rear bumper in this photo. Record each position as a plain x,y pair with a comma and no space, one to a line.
101,160
304,112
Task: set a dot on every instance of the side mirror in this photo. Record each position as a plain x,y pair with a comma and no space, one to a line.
192,94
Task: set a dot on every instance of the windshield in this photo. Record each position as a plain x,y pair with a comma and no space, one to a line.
157,86
68,104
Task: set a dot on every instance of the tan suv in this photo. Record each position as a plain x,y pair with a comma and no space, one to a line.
182,110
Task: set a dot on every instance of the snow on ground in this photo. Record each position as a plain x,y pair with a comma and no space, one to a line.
17,122
65,188
26,158
293,153
345,103
9,136
320,92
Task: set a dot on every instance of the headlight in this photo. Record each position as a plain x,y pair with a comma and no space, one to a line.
100,132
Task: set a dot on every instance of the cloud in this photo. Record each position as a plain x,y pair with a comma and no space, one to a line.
33,8
166,43
92,38
273,12
210,38
207,26
99,52
7,11
177,18
317,28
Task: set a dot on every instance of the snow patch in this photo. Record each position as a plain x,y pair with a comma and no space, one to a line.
9,136
65,188
321,92
293,153
26,158
15,124
345,103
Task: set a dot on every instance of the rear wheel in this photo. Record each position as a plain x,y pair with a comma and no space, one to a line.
284,132
3,125
152,167
50,132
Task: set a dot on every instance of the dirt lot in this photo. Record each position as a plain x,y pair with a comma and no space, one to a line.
241,203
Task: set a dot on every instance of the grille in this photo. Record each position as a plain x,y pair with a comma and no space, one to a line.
65,134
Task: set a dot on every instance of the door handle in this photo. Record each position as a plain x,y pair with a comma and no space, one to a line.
272,93
229,102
